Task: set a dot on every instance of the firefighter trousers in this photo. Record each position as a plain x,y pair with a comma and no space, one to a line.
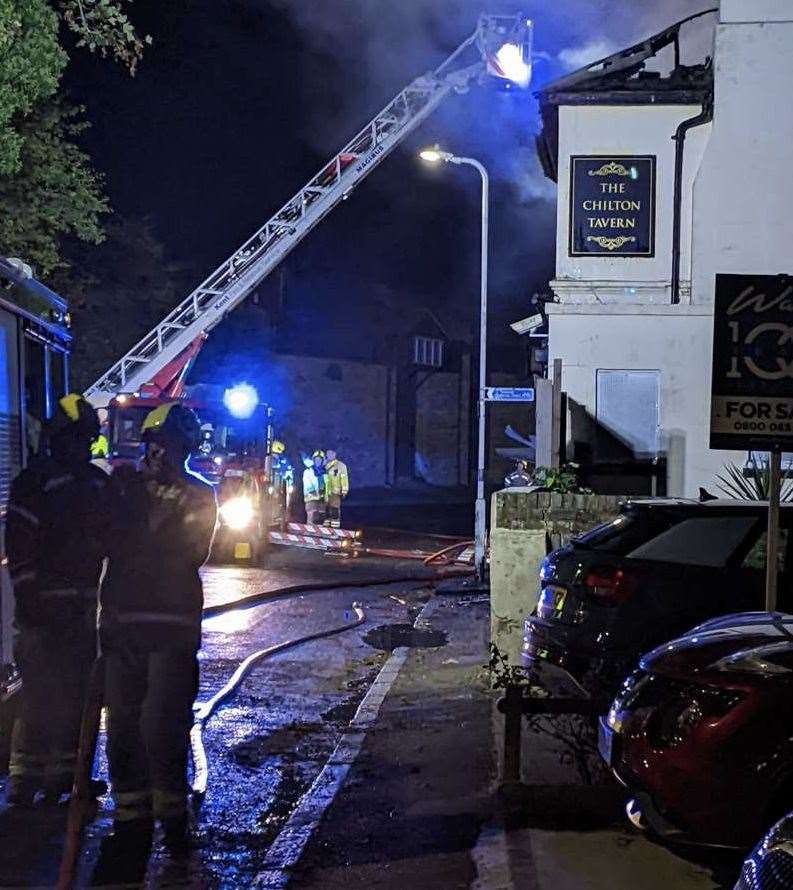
334,510
149,694
55,664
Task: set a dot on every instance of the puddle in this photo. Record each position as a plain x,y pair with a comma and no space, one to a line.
392,636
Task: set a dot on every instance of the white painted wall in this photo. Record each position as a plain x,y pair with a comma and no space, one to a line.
738,195
743,193
627,130
676,340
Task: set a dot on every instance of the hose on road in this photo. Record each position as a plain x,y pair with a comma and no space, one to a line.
204,710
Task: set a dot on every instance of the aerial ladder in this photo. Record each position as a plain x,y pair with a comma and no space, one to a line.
499,47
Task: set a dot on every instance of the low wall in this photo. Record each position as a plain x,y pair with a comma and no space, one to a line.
525,525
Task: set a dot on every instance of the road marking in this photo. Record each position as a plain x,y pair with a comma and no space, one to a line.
291,841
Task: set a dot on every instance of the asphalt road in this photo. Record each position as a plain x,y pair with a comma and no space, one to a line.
266,744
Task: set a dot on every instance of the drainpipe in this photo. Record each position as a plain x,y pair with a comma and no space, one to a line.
704,117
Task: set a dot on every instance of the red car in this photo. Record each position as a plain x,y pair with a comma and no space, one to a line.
702,732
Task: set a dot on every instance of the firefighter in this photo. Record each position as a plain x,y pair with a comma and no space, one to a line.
337,486
56,541
150,632
314,487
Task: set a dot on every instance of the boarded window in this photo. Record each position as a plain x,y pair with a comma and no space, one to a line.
627,407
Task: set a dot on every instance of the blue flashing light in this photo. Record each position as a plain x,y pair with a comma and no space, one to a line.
241,400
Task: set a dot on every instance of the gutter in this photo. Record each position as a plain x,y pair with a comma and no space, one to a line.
704,117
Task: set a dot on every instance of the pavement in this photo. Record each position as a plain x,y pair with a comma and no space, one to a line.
420,807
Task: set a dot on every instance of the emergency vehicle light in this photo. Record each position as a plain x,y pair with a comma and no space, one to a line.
241,400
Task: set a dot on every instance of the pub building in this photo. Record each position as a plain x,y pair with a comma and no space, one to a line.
671,160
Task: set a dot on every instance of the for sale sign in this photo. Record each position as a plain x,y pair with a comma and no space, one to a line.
752,387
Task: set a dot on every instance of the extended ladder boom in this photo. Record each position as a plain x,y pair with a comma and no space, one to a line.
236,278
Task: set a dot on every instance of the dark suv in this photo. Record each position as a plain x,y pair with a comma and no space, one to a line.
656,570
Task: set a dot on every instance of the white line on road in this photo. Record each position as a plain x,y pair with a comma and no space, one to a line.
291,841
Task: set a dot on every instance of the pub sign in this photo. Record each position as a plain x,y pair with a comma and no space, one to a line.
752,384
612,205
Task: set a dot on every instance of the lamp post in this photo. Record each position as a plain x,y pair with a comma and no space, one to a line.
434,156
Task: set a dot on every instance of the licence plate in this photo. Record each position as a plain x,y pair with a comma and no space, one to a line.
551,601
606,741
242,550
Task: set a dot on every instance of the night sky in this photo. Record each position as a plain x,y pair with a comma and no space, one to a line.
239,102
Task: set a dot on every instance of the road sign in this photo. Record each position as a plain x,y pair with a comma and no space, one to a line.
752,384
509,394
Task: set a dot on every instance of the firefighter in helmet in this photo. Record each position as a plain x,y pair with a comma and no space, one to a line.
314,487
150,632
56,539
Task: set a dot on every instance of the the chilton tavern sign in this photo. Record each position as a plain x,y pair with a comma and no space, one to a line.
612,205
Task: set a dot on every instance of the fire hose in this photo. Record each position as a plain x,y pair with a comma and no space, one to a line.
205,710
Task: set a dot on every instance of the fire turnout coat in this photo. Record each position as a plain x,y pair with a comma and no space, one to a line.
56,538
337,480
162,533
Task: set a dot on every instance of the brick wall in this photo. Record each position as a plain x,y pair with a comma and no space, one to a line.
561,515
342,405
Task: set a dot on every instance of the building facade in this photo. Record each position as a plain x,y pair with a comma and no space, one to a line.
664,180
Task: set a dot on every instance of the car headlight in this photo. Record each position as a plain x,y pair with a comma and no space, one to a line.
238,513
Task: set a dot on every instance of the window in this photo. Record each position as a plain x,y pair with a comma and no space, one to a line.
35,393
707,541
627,406
428,351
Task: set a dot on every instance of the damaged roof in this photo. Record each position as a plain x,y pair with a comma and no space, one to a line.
621,79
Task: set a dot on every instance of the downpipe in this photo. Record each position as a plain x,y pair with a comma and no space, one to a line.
704,117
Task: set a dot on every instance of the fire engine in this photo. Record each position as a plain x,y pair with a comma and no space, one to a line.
35,342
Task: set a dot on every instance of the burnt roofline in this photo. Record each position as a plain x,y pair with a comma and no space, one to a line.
619,67
620,79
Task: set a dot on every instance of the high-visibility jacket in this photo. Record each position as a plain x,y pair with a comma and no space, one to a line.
313,485
56,538
162,534
337,479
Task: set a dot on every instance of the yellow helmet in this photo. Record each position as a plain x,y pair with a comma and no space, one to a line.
278,447
175,419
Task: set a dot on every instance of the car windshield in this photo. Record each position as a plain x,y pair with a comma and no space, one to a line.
627,531
698,541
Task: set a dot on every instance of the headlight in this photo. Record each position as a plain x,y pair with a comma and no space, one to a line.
237,513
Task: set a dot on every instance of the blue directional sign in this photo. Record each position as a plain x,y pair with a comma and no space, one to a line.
509,394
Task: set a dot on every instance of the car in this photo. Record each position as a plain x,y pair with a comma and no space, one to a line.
701,735
657,569
770,865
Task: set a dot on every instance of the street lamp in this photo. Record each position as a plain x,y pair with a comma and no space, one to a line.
433,156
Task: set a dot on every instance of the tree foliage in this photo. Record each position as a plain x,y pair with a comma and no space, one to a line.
54,194
48,189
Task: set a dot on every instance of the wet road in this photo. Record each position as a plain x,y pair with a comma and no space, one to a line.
266,744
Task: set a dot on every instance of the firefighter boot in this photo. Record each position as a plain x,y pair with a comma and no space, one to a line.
124,854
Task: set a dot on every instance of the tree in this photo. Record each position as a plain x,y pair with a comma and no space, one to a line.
47,187
54,193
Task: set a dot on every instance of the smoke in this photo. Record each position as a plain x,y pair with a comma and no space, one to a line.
374,47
